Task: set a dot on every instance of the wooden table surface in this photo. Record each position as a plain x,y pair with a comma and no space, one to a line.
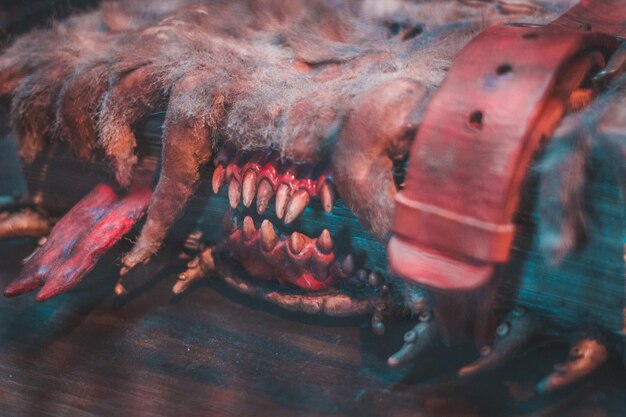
213,352
216,353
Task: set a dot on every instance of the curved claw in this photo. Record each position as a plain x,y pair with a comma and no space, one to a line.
421,338
119,114
197,269
24,223
187,147
585,357
516,333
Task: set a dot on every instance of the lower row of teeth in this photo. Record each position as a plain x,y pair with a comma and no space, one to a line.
309,263
264,176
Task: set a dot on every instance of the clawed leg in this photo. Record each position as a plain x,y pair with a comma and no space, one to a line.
187,146
585,357
417,341
23,223
133,97
197,269
515,334
78,240
78,102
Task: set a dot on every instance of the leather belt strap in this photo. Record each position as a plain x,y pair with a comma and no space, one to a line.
506,92
606,16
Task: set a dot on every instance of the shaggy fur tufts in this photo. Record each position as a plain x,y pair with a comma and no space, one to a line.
565,167
288,75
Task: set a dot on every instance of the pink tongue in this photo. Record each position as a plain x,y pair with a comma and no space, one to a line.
308,282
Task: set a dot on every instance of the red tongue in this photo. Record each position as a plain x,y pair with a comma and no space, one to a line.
62,239
78,241
118,220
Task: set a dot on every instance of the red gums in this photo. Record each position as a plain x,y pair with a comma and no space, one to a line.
232,168
309,269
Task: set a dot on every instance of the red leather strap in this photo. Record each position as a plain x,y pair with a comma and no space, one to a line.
606,16
508,90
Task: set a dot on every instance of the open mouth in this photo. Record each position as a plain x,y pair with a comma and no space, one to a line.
286,229
281,232
278,230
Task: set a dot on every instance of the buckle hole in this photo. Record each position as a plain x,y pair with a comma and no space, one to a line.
504,69
530,35
476,120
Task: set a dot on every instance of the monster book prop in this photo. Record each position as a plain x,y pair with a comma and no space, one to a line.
286,139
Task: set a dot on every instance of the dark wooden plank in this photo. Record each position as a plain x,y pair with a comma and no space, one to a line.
214,352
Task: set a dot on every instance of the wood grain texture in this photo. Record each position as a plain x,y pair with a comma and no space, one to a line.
216,353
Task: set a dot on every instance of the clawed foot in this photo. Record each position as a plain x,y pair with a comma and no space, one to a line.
518,332
23,223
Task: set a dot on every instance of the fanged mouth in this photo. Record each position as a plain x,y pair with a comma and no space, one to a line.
263,175
283,191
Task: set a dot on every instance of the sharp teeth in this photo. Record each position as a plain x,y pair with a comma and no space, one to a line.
231,221
282,195
297,242
374,279
264,194
296,206
269,238
234,192
328,196
248,228
325,242
348,265
218,178
120,289
249,187
361,277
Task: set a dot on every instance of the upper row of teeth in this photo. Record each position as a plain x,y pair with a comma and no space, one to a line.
263,175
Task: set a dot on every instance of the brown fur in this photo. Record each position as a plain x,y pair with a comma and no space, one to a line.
282,74
564,169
